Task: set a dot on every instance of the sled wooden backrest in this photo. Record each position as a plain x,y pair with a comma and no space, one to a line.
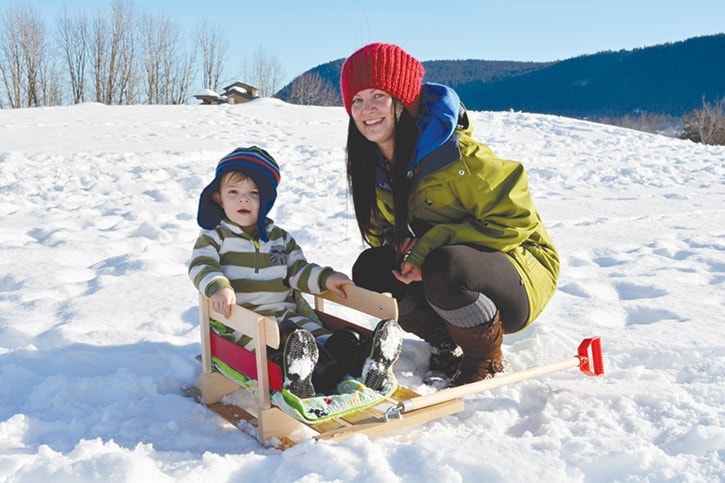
264,330
380,306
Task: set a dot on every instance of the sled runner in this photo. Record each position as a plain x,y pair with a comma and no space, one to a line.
227,367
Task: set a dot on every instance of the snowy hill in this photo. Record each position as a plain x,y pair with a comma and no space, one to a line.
98,320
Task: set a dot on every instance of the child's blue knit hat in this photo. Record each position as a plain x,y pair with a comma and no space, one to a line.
254,162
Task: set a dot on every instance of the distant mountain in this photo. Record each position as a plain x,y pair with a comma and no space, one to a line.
667,79
454,73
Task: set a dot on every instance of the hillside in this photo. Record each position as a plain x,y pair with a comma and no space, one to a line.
669,79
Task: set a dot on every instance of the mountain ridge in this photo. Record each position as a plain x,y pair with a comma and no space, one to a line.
672,78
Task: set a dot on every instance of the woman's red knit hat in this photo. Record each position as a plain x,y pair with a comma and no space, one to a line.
381,66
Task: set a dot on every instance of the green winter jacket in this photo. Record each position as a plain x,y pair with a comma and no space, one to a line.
463,194
263,274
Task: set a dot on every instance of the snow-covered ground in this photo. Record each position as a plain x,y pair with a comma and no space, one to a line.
98,320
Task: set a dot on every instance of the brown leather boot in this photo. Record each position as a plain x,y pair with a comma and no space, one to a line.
482,356
424,322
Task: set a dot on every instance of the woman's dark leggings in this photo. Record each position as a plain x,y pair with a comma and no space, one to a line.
453,277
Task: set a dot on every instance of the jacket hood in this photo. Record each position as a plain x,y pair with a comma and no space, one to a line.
438,119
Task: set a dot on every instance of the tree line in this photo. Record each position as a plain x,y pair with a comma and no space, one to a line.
705,125
122,55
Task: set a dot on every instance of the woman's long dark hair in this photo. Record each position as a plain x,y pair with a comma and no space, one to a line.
362,159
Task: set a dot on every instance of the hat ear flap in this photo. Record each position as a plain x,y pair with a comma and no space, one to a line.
210,212
267,197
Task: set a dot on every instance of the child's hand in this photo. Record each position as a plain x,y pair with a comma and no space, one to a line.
336,281
223,300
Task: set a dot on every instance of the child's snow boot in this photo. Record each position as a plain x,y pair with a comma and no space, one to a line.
387,342
298,362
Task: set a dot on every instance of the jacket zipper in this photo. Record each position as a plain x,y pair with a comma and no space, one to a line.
256,255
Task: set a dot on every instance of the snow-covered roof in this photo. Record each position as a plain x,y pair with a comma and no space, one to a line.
241,90
206,93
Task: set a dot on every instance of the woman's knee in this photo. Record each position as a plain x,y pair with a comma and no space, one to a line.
443,269
445,283
369,266
455,275
373,270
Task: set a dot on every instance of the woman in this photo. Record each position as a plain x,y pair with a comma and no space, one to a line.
454,233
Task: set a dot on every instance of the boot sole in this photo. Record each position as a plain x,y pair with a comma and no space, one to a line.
387,345
300,356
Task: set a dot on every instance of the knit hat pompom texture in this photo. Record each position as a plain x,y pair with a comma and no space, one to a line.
381,66
254,162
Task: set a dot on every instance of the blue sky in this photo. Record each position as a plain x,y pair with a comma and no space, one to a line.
302,35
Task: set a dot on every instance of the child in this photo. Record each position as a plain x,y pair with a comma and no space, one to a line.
242,258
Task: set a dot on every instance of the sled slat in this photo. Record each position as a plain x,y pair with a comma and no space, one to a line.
362,300
331,425
373,427
403,393
364,416
245,321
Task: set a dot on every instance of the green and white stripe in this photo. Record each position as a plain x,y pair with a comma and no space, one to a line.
263,274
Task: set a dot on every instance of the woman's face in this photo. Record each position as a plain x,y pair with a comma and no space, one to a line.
373,112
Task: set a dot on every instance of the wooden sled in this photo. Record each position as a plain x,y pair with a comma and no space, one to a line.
273,426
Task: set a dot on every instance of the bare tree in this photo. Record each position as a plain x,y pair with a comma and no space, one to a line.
312,90
264,72
73,39
706,125
11,62
113,57
214,50
180,76
168,68
98,47
124,36
32,35
155,39
49,82
25,57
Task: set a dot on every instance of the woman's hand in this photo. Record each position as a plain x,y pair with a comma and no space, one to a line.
407,245
336,282
223,300
407,273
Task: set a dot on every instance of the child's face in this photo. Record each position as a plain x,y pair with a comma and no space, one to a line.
240,201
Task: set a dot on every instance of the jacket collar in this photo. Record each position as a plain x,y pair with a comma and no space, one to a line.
437,121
